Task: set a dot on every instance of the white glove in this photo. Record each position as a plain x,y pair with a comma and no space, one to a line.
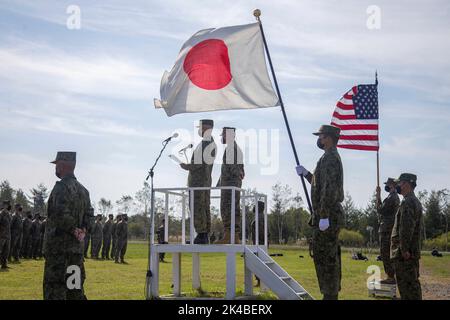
324,224
301,171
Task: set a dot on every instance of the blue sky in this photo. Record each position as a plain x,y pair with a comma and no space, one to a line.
91,90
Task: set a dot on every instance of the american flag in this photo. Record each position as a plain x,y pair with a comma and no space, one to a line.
356,114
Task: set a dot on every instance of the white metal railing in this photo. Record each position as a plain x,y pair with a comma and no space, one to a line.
186,192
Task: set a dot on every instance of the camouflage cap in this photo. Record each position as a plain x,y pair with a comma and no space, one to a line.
206,122
328,129
390,181
65,156
408,177
228,130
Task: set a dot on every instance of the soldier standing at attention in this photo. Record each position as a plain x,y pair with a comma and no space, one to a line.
231,175
160,237
122,239
5,233
16,232
327,193
114,236
96,237
200,170
106,247
387,210
405,239
25,251
67,217
35,236
87,237
41,240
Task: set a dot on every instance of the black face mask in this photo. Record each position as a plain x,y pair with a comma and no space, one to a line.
320,145
398,189
9,208
387,189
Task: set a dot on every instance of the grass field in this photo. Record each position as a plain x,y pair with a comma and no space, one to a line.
107,280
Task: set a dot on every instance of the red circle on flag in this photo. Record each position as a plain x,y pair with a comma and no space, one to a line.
207,64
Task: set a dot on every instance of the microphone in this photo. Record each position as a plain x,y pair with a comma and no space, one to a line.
170,138
185,148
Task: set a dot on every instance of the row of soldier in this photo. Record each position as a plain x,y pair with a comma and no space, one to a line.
107,240
21,234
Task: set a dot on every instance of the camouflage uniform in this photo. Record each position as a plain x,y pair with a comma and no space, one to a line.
387,211
25,251
160,234
406,237
261,208
200,170
114,238
87,239
106,247
16,234
41,240
96,239
68,208
35,237
231,172
327,193
122,240
5,236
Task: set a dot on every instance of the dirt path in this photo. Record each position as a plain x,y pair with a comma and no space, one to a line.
433,288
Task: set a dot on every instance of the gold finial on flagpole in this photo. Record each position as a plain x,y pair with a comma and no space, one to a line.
257,13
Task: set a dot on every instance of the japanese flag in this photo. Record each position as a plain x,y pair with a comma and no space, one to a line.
218,69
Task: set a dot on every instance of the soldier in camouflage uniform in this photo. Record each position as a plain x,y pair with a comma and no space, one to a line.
16,232
69,208
160,236
5,233
41,241
25,251
232,174
122,239
327,194
96,237
387,210
200,170
405,239
35,236
114,236
106,246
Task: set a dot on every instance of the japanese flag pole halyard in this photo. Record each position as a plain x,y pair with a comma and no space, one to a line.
257,14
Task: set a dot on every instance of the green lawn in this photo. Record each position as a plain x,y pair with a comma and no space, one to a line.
107,280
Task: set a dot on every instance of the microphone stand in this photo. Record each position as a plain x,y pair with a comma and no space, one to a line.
150,175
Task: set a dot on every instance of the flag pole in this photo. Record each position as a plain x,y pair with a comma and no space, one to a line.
257,14
378,153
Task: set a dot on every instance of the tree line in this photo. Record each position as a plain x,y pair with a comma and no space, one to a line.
287,216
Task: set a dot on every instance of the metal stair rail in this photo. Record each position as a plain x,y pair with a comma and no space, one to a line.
274,276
